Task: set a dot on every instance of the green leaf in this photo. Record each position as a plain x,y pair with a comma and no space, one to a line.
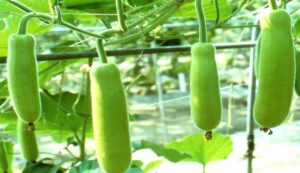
91,6
48,69
91,166
41,167
58,109
57,118
3,89
13,17
170,154
203,151
87,166
136,163
152,165
297,28
9,147
135,170
70,3
2,24
188,10
140,2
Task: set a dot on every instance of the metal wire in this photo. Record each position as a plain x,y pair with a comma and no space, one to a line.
136,51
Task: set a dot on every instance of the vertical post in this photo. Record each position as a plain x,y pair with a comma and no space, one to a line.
160,95
250,101
182,83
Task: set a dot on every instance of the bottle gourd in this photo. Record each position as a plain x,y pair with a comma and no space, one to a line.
22,77
3,157
110,118
276,70
206,106
27,141
297,80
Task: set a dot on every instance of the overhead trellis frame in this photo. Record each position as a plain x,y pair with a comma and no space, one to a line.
136,51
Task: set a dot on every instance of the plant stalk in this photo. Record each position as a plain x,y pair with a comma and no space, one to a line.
272,4
25,19
100,51
149,28
83,137
201,21
203,168
20,6
121,16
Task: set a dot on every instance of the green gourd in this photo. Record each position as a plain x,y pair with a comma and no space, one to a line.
297,79
22,77
206,106
3,157
27,142
276,70
110,118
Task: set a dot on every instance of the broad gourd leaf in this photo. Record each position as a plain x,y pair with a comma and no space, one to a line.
13,17
2,24
152,165
168,153
297,28
9,120
139,2
58,109
134,170
87,166
71,3
91,166
188,10
37,5
57,119
136,163
92,6
9,147
40,167
203,151
3,89
48,69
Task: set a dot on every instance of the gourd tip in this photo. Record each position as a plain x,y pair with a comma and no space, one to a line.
266,130
208,135
31,127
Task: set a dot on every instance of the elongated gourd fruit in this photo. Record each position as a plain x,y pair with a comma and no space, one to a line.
27,141
297,79
22,77
110,118
3,157
276,70
206,106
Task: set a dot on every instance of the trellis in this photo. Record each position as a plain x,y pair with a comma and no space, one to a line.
171,49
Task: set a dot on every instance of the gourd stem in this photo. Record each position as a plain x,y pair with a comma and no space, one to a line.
121,16
152,25
203,168
25,19
101,52
201,21
217,11
283,4
82,145
20,6
272,4
104,34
